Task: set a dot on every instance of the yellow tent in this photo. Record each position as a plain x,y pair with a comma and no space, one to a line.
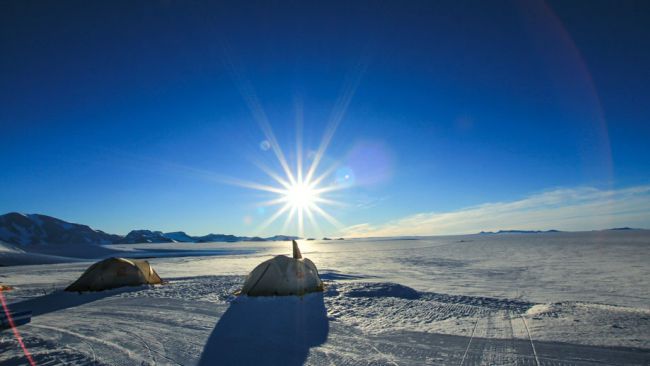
281,276
115,272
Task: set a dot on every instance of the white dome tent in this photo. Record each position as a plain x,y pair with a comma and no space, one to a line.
283,276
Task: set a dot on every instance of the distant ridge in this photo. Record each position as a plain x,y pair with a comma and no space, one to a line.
145,236
179,237
35,229
519,232
549,231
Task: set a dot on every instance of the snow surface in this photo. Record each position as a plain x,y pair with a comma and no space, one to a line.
550,298
8,248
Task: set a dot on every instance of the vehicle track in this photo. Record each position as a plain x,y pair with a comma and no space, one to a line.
532,344
45,352
82,337
469,343
158,346
492,342
146,345
499,348
153,350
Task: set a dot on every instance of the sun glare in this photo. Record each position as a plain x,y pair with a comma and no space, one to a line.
300,195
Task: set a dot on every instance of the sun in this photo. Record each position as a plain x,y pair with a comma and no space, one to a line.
300,189
298,193
301,195
299,198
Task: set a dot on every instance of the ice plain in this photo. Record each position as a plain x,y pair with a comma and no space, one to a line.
547,298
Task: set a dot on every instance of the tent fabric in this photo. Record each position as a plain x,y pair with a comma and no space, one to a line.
115,272
283,276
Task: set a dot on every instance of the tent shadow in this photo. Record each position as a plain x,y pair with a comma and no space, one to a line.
267,330
61,300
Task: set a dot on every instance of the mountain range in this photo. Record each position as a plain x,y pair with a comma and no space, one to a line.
36,229
519,232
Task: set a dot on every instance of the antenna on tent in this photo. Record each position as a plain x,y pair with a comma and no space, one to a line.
296,251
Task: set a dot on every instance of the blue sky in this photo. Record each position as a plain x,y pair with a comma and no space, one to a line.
127,115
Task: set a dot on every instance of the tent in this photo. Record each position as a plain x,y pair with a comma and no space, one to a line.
281,276
115,272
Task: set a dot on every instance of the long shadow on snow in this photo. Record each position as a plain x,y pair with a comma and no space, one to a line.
61,300
267,330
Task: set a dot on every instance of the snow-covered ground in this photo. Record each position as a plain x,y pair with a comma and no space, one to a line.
551,298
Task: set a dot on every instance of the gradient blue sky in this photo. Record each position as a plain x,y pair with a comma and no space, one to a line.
126,115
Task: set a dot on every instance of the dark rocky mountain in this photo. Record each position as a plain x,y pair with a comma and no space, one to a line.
520,231
233,238
282,238
144,236
254,238
180,237
216,237
41,230
35,229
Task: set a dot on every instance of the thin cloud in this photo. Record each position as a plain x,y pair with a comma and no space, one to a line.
582,208
369,202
